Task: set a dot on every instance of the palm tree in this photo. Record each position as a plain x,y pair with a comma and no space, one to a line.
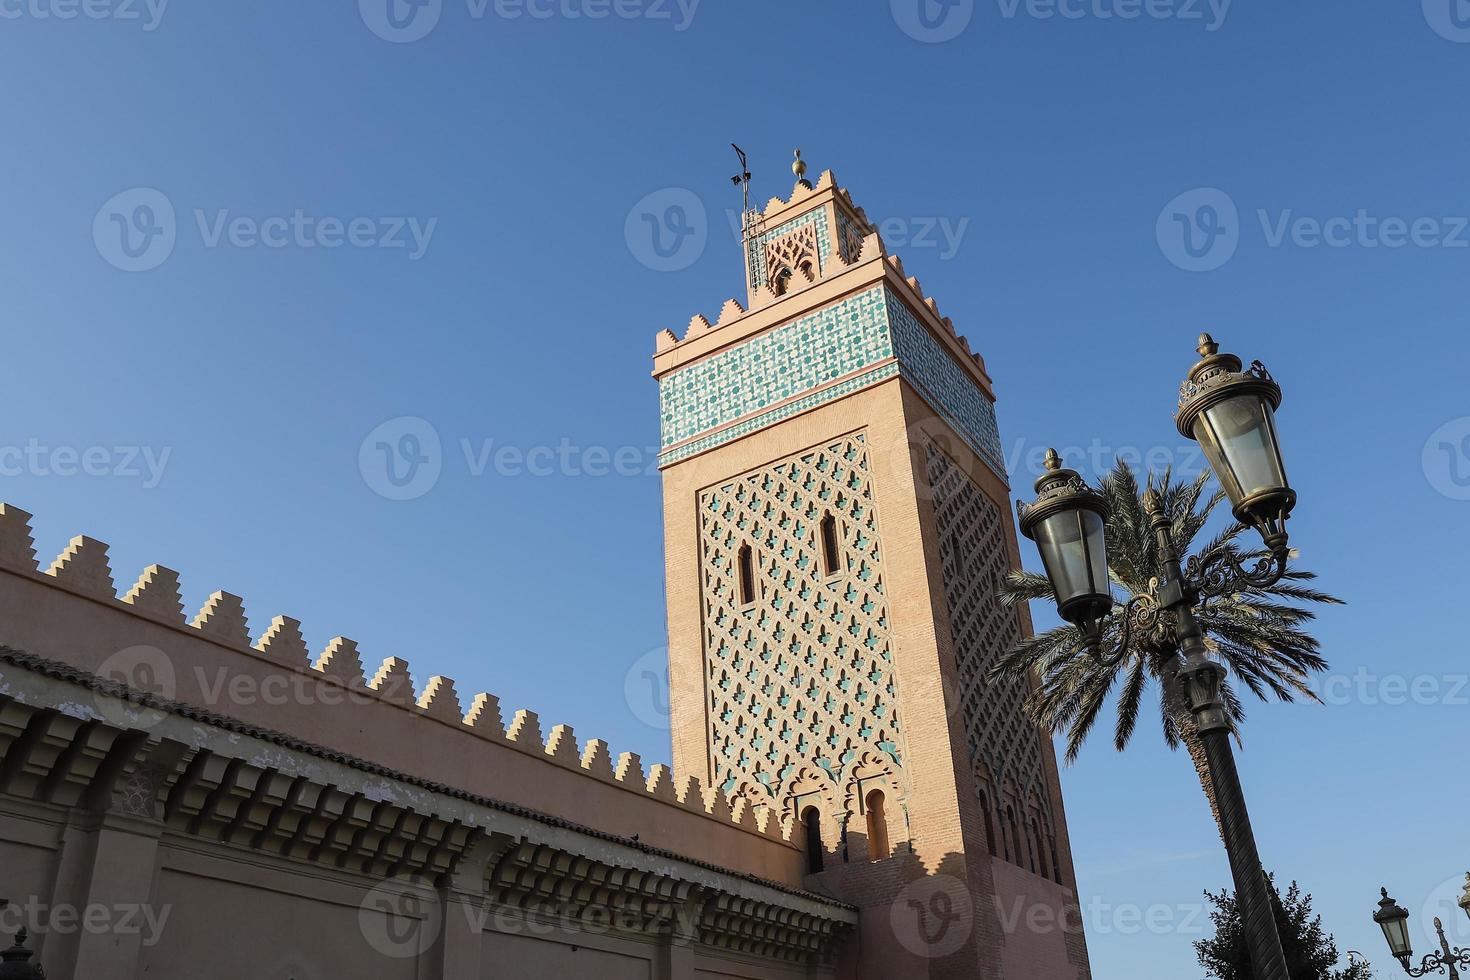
1258,633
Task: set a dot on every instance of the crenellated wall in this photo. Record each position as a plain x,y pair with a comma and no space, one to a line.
71,612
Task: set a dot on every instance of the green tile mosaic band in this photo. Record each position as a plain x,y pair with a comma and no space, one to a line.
812,351
944,384
774,366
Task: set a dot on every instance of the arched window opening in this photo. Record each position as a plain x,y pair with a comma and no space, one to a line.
814,850
877,825
831,556
957,549
746,561
1056,863
1013,837
989,825
1038,844
809,270
782,281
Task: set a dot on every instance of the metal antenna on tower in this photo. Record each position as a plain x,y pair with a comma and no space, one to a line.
742,180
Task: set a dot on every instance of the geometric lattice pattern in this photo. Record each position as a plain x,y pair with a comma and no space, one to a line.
756,245
792,255
803,674
1002,741
850,236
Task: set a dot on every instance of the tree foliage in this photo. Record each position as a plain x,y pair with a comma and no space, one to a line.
1311,953
1259,634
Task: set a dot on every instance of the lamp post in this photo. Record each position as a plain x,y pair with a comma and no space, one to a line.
1394,920
1231,413
15,962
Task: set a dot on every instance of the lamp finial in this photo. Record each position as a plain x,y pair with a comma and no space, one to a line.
1053,462
1207,346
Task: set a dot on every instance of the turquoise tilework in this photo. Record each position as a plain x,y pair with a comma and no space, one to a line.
758,422
787,361
840,339
944,384
756,247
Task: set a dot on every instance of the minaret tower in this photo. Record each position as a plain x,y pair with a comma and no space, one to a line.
836,519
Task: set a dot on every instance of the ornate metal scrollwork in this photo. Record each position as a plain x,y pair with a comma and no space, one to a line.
1143,615
1223,572
1440,963
1443,962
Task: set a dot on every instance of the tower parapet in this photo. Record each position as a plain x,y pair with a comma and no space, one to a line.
830,311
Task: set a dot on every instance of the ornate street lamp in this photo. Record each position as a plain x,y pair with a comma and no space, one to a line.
1232,414
1394,920
1066,522
15,962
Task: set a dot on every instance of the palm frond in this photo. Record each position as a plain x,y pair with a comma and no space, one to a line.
1258,633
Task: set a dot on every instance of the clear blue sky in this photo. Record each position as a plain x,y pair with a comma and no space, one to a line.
1048,146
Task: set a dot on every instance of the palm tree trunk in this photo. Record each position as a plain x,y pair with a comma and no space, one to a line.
1193,743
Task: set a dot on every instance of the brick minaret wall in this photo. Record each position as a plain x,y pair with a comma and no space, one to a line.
804,685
